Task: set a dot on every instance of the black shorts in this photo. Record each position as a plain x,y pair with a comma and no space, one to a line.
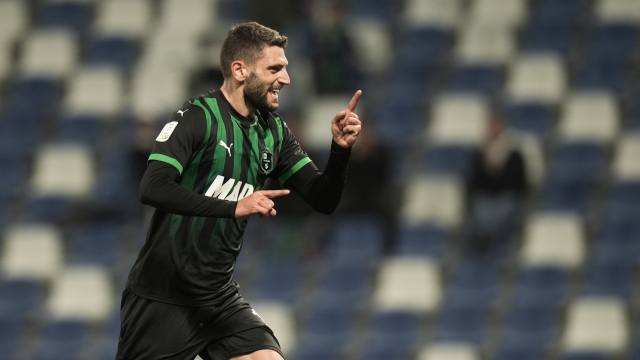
156,330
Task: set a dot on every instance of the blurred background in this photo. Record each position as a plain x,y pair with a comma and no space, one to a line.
492,209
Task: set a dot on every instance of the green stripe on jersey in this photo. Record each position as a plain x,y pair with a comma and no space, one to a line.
279,122
168,160
302,162
255,154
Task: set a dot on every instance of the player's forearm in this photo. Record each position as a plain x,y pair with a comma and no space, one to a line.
159,189
323,191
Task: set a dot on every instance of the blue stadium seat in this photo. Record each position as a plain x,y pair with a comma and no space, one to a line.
571,196
429,240
422,47
549,37
449,159
518,354
596,74
358,240
570,12
279,281
473,285
72,15
117,51
531,118
43,91
586,356
578,162
87,130
53,208
377,9
21,298
63,339
96,244
623,202
327,327
483,80
310,352
15,162
610,279
457,324
11,336
394,332
614,42
344,286
542,286
530,328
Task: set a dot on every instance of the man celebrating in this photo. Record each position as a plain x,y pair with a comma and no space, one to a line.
204,177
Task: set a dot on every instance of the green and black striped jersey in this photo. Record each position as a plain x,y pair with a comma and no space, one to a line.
189,260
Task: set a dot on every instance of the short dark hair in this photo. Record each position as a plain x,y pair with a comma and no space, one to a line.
248,41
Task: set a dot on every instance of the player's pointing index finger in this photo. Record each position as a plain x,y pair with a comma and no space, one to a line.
354,101
274,193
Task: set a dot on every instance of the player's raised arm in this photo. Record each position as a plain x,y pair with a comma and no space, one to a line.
346,125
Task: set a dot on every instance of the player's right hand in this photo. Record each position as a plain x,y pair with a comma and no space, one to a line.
258,203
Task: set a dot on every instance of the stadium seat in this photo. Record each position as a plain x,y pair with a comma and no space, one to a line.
433,200
553,239
63,339
118,51
329,328
408,283
570,12
420,47
596,324
279,281
130,18
95,244
602,75
485,43
462,324
589,116
533,118
394,331
544,286
21,298
158,90
376,9
87,130
586,355
542,37
14,20
343,286
12,335
626,157
427,240
50,53
32,251
372,44
531,148
6,59
578,162
71,15
432,13
565,195
622,203
189,18
281,320
448,351
613,42
537,78
518,354
81,292
505,13
531,328
83,99
52,208
482,80
63,169
616,11
610,278
356,241
454,160
458,119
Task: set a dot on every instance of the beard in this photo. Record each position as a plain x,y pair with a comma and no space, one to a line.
257,93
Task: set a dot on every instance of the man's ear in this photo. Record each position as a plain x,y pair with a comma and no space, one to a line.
239,70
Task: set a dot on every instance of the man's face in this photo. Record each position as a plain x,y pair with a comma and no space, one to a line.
267,77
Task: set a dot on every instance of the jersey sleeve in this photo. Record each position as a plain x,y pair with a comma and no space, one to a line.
292,158
183,135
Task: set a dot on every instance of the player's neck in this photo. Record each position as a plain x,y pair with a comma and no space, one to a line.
235,96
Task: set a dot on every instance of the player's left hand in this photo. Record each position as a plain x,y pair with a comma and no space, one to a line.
346,125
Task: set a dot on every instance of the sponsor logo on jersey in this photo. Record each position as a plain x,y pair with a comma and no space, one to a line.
231,189
266,161
166,131
224,145
181,112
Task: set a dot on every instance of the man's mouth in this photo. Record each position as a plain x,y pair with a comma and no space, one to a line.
274,92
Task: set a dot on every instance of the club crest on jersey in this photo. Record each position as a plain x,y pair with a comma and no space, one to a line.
266,161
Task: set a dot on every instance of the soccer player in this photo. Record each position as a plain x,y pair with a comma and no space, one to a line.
204,178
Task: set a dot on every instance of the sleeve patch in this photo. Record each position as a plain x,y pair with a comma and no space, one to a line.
166,131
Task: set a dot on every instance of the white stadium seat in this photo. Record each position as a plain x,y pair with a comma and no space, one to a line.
82,292
170,50
6,59
158,91
485,43
553,239
596,324
49,53
372,43
537,77
317,119
96,90
590,116
32,251
506,13
458,119
63,170
123,17
432,13
448,351
618,11
532,151
14,19
280,318
626,161
410,283
188,17
433,200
